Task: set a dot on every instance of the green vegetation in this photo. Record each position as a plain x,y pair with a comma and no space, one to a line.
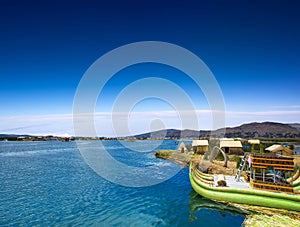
263,216
235,158
275,220
292,147
182,159
164,154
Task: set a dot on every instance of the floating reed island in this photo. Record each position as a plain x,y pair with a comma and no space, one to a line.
264,178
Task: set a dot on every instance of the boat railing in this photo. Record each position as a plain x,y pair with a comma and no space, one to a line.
271,186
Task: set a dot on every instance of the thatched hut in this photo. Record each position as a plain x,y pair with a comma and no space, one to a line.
231,146
200,146
182,147
279,150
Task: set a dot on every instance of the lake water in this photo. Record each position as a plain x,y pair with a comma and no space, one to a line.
49,184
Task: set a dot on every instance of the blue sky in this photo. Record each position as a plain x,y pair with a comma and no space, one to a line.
251,47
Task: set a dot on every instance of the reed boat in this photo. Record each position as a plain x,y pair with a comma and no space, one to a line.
260,181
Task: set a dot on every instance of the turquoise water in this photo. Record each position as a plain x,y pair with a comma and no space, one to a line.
49,184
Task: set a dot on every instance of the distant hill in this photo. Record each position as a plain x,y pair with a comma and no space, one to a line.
251,130
173,133
265,130
160,134
296,125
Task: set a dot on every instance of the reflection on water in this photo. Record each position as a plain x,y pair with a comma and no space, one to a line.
198,202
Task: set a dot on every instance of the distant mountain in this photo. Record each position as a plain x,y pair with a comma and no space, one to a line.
169,133
160,134
251,130
295,125
265,130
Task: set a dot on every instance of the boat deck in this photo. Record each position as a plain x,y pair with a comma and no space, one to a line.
232,183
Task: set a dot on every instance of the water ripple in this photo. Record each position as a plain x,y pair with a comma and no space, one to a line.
49,184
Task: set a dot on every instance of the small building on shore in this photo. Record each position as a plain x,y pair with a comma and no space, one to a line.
200,146
255,145
182,147
230,146
279,150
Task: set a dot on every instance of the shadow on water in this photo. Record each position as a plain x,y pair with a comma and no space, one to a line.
198,202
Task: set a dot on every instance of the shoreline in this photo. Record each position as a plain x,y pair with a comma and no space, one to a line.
182,159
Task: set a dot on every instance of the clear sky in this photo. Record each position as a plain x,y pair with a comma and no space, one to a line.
251,47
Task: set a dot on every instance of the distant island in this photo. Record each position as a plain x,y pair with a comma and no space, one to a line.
14,137
266,130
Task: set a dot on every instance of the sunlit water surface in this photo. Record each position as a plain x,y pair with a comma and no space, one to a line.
49,184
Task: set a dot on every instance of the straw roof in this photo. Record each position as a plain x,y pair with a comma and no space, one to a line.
254,141
200,143
274,148
230,143
182,146
279,148
226,139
